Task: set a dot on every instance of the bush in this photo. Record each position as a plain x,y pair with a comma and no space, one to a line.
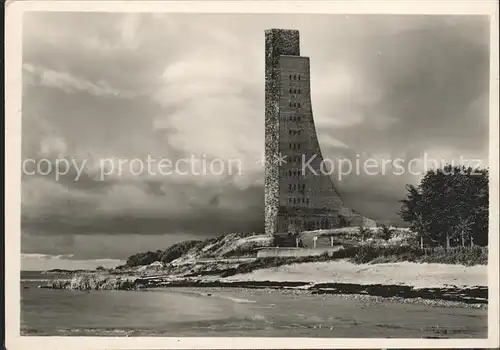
177,250
143,259
373,254
173,252
463,256
386,232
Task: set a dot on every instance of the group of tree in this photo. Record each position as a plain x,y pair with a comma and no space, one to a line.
449,207
165,256
385,232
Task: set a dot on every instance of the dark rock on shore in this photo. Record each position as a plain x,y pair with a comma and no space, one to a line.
473,295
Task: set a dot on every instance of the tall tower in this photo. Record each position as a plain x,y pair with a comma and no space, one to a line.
295,200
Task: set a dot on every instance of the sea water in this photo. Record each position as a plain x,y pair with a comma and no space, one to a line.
233,312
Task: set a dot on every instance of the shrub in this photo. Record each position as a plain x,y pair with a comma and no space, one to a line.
386,232
173,252
363,232
177,250
142,259
374,254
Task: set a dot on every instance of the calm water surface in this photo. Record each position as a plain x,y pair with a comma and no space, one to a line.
234,312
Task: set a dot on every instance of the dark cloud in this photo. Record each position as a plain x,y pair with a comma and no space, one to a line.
434,83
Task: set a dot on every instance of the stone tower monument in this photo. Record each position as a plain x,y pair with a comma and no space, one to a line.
295,200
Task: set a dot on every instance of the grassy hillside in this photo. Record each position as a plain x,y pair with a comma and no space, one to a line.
226,246
217,255
215,258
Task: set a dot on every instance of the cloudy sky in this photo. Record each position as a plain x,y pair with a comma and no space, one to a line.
123,86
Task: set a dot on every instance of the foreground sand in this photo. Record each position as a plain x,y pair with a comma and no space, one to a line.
404,273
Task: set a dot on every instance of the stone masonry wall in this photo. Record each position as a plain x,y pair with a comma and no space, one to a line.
278,42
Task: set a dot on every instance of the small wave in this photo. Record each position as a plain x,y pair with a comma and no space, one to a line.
101,331
46,280
256,317
113,332
237,300
215,295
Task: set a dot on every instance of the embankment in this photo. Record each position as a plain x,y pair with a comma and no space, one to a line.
401,280
381,269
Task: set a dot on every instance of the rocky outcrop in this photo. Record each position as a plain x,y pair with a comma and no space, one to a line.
92,281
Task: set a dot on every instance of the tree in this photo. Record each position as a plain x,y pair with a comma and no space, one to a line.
413,210
449,205
386,232
142,259
464,227
165,256
177,250
363,232
412,207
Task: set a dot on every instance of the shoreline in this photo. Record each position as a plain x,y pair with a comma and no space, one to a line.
263,309
211,292
430,282
473,296
266,312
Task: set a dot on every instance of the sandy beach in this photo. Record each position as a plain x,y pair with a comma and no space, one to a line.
418,275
